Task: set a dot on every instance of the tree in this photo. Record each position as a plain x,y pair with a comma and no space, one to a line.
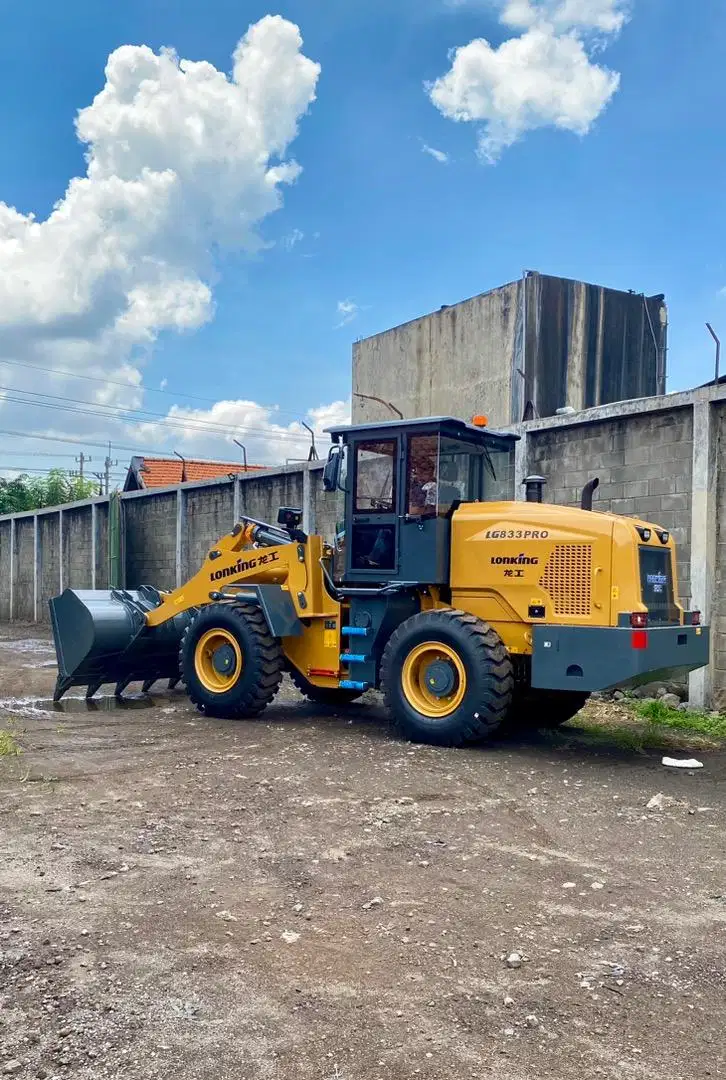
34,492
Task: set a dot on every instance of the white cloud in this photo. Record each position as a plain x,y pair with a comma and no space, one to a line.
266,440
438,155
347,311
182,160
163,384
604,16
292,239
543,78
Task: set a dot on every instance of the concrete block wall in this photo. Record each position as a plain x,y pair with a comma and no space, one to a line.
662,458
718,554
6,567
149,529
77,548
101,561
49,559
645,467
24,592
328,506
209,514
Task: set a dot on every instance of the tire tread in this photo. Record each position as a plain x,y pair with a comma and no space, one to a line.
269,655
494,701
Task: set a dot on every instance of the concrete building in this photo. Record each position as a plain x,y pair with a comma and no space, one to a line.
528,348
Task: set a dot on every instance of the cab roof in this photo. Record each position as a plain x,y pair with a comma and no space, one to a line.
427,425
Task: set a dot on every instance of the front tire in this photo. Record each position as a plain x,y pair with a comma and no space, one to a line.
446,678
230,662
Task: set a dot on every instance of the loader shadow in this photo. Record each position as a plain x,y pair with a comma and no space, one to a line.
568,742
101,704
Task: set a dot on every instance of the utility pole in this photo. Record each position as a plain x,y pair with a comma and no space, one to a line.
108,465
82,459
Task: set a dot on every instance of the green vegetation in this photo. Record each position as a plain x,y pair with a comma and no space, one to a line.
9,745
649,725
34,492
656,713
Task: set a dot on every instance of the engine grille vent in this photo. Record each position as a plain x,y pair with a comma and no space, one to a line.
568,579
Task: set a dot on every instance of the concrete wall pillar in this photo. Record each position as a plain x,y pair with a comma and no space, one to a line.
36,568
94,543
180,551
703,536
236,500
60,552
521,462
308,506
11,583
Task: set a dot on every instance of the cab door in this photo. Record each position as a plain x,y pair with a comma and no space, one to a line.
424,541
373,469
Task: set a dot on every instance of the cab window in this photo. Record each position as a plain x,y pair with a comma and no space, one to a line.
375,477
439,475
421,486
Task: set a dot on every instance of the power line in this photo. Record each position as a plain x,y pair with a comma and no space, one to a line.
35,469
140,415
142,452
35,453
132,386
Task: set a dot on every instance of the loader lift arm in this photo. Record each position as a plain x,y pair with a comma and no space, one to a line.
253,553
119,637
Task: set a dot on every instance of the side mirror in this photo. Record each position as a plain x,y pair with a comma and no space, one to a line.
331,472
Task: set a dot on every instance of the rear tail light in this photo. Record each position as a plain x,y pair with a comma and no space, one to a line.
695,618
639,620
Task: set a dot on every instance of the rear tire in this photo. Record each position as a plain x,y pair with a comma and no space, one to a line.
322,695
544,709
230,662
446,678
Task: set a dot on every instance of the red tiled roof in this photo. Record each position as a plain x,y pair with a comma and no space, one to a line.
162,472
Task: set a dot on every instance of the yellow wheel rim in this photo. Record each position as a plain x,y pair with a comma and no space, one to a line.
218,660
434,679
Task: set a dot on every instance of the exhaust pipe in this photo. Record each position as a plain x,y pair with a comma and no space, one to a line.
101,636
533,488
587,493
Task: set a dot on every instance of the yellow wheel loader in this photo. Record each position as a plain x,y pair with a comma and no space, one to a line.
468,610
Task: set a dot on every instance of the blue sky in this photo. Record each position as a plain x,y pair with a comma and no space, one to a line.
637,202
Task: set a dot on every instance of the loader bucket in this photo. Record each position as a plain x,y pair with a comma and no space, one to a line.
101,636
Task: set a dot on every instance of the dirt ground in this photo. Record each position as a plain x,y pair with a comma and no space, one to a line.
307,897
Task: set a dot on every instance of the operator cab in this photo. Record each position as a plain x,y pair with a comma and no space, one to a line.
401,482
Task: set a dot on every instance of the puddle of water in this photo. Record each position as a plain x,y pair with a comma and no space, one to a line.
28,645
75,704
